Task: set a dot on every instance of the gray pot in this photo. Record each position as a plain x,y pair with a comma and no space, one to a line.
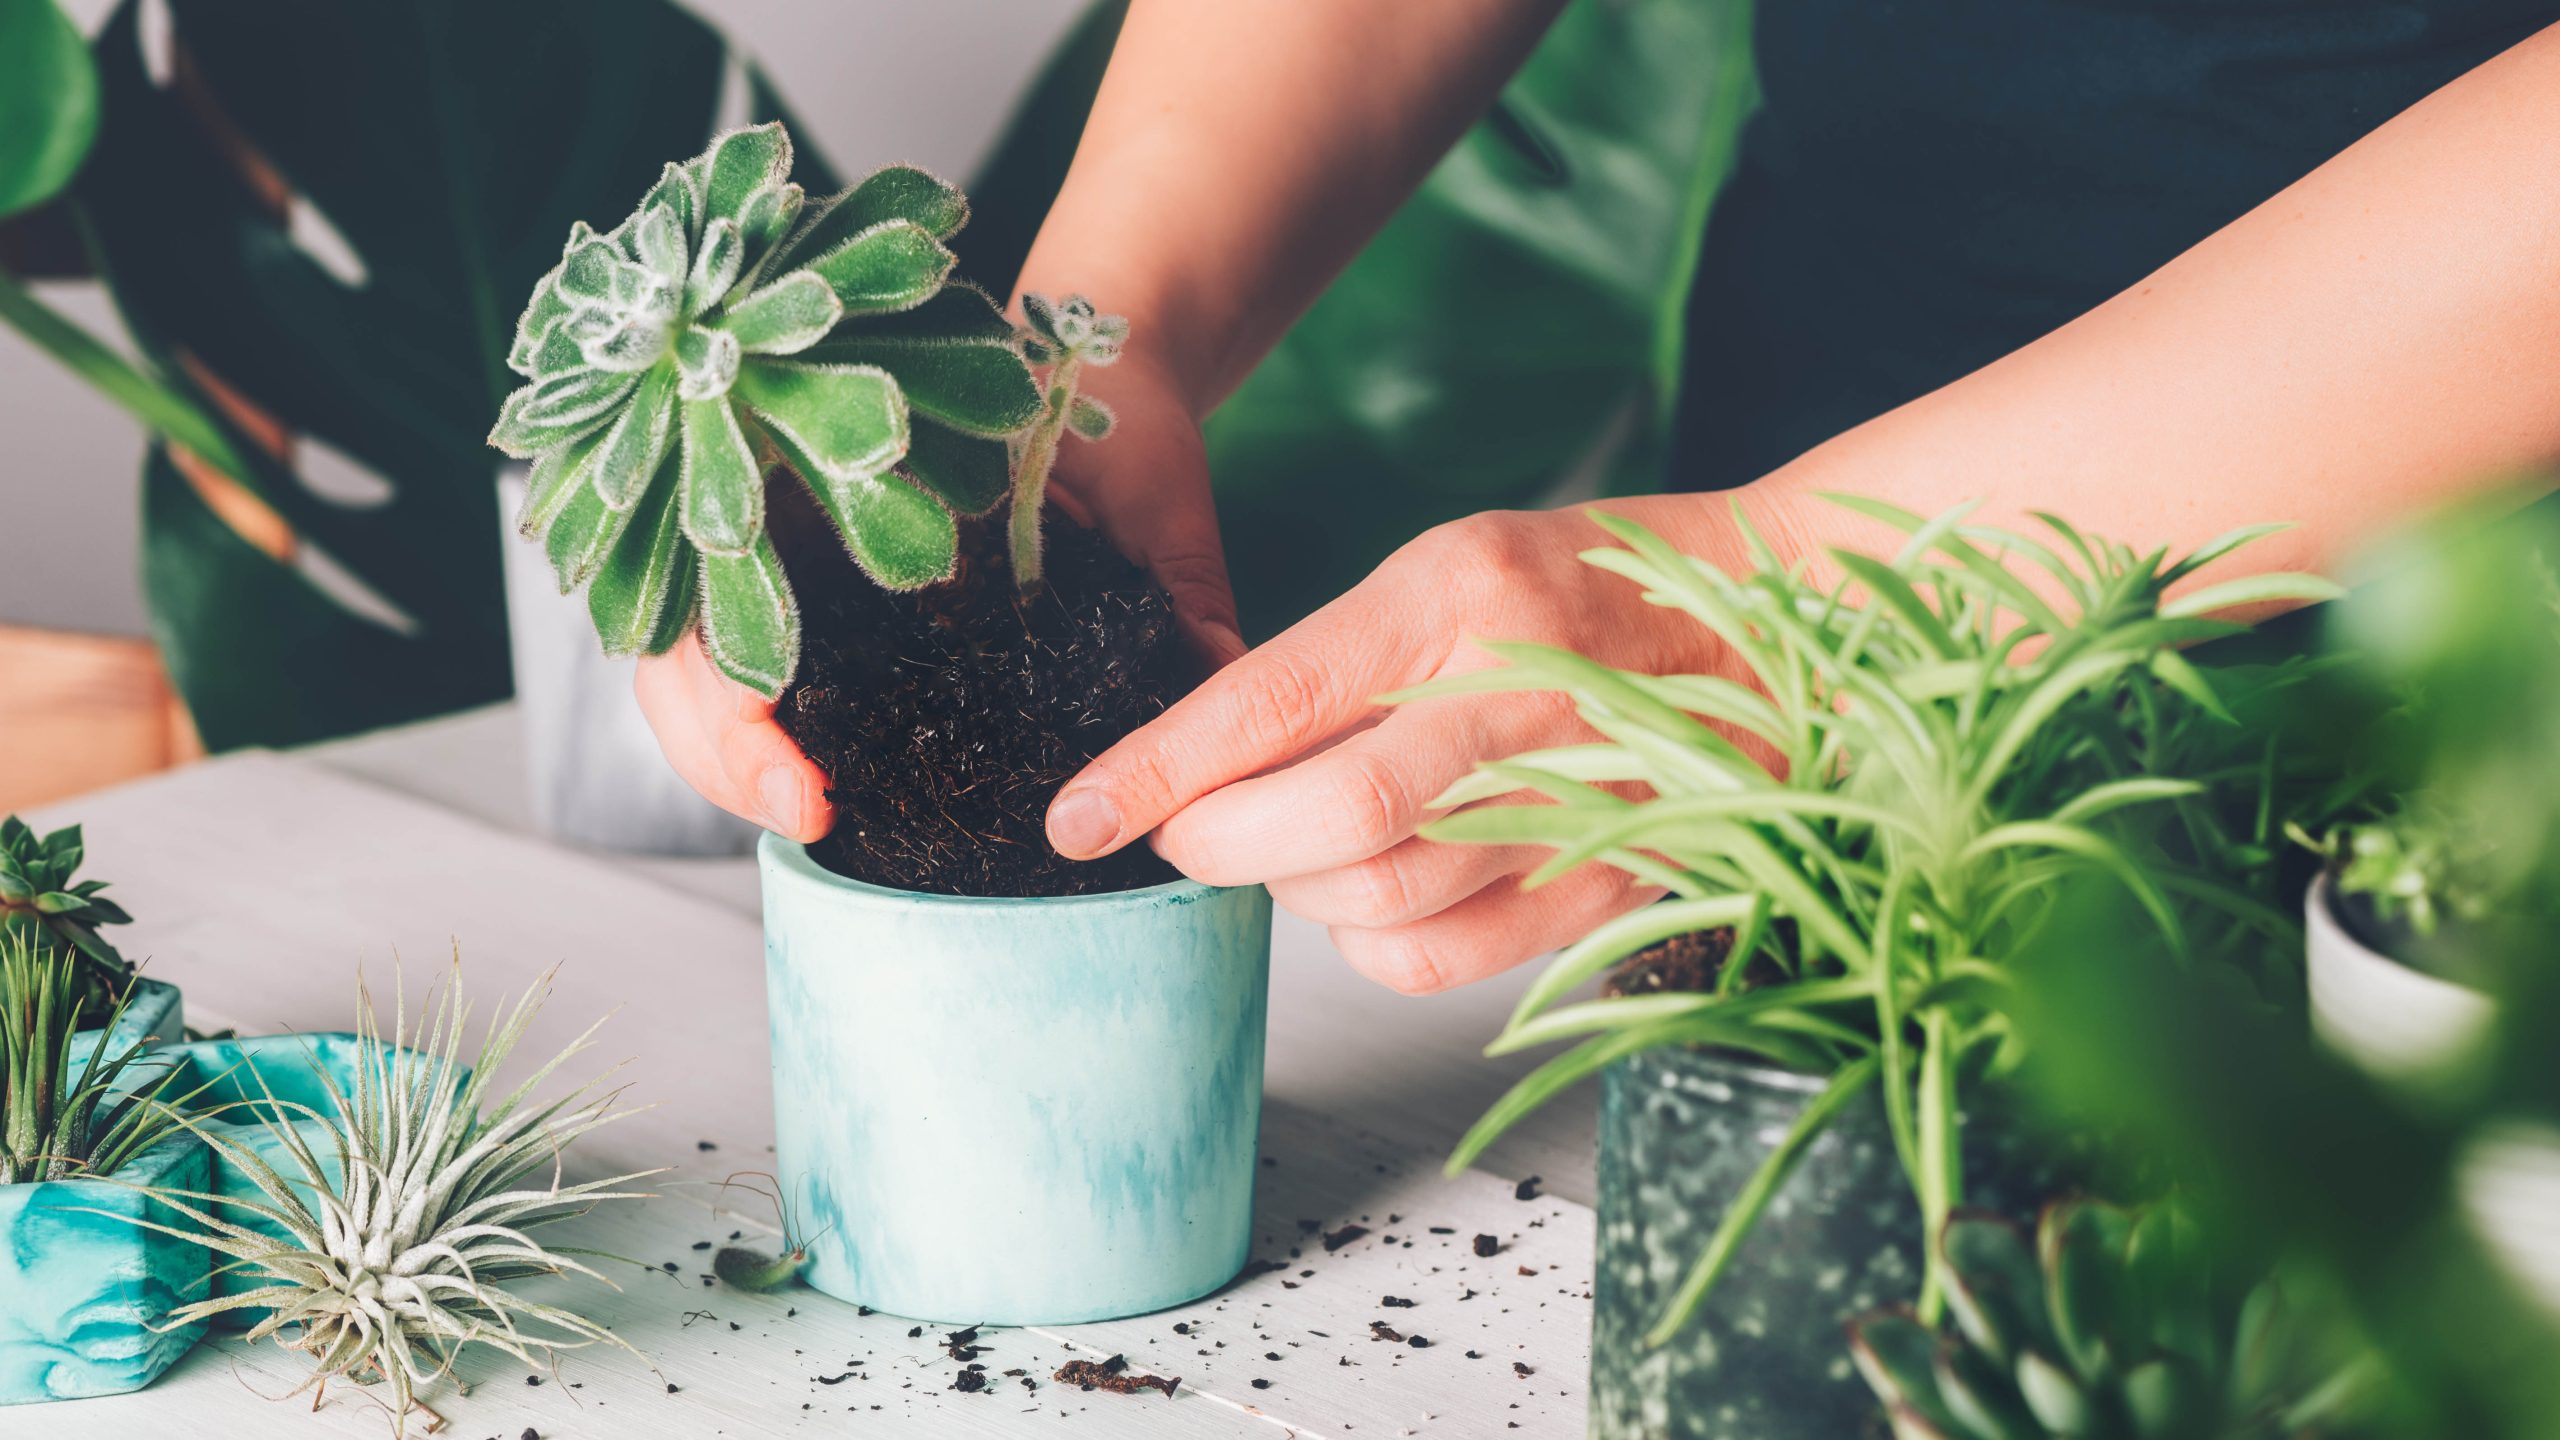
597,776
1681,1133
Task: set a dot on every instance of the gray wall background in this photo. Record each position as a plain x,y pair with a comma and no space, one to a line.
928,81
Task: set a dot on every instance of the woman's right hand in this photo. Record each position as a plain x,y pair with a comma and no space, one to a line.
1146,487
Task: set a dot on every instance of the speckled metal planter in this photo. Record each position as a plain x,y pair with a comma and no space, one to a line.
1016,1111
1681,1132
84,1296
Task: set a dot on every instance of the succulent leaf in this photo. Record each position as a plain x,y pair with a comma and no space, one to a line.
967,472
661,335
785,317
895,265
750,623
1994,1287
1089,418
846,420
43,906
2054,1395
631,591
723,485
1897,1355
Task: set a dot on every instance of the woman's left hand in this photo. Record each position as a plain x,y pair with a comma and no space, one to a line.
1282,770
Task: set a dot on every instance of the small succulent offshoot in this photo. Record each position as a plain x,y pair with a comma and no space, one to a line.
1067,336
40,901
2110,1323
65,1114
754,1271
388,1251
724,329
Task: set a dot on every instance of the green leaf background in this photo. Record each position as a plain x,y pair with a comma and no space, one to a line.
1521,311
450,144
48,103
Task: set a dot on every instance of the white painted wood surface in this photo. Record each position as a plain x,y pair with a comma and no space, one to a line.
265,883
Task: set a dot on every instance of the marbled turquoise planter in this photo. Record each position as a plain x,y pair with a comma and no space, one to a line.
1016,1111
82,1295
241,1075
1766,1358
156,1015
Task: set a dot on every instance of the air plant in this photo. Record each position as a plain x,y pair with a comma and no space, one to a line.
65,1115
387,1253
2108,1322
1067,336
1948,744
725,329
754,1271
42,903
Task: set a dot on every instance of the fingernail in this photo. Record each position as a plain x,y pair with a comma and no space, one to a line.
780,794
1083,823
1226,643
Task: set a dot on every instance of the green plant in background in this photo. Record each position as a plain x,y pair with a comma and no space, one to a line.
390,1252
718,331
1943,745
64,1115
2417,866
41,904
1402,398
361,307
2111,1324
1065,335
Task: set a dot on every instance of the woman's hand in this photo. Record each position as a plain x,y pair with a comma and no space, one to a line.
1147,488
1281,770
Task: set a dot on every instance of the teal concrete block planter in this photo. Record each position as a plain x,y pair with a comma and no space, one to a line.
155,1015
1016,1111
1766,1358
248,1082
85,1297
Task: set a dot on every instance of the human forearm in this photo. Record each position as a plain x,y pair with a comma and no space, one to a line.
2380,336
1241,152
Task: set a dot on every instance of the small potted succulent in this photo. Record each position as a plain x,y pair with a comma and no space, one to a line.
2389,976
1009,1087
1804,1056
41,903
2107,1322
376,1211
91,1300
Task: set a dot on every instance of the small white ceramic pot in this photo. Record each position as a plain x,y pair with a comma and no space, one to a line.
1015,1111
2395,1021
597,776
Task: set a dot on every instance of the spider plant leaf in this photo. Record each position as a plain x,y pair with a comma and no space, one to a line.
1578,765
2277,587
1616,939
2217,547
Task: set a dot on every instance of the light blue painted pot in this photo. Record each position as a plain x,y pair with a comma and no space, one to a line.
248,1082
1015,1111
84,1297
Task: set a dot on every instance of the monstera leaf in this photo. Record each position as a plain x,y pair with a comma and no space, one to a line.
336,207
48,103
1520,308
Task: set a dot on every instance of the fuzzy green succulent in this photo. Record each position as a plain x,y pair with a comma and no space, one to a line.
66,1111
2111,1326
724,329
1067,336
40,901
389,1251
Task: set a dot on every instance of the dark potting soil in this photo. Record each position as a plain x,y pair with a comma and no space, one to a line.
947,718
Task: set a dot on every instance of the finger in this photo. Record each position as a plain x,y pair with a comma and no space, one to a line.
1266,708
722,738
1413,881
1358,798
1170,526
1491,930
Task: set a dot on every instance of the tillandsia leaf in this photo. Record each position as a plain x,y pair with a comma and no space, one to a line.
69,1109
386,1253
668,335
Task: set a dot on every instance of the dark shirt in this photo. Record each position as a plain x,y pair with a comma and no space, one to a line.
1930,184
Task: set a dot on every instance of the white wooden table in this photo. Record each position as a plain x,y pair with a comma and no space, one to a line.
264,883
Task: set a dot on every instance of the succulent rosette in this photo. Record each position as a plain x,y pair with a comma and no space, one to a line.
723,329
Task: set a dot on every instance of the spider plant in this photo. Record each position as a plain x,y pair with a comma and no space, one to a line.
387,1253
64,1115
1881,815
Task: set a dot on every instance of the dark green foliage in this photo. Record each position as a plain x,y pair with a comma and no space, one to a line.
41,903
69,1108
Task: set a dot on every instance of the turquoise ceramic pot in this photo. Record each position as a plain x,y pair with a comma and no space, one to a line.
85,1297
1015,1111
247,1082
